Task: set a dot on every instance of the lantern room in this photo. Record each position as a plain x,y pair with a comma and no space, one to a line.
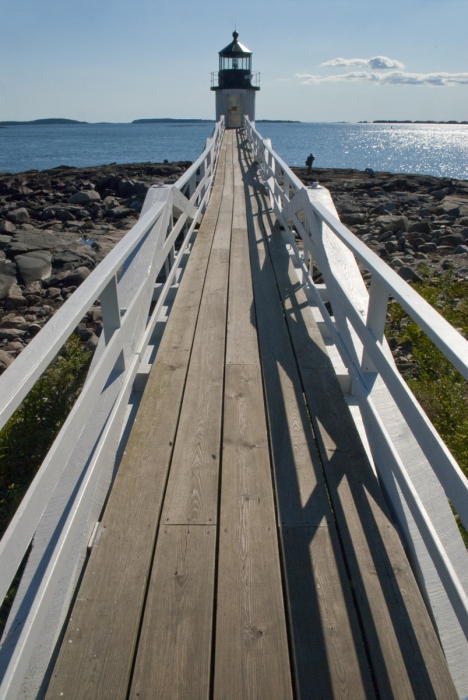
235,84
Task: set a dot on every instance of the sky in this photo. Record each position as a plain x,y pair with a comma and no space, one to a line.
335,60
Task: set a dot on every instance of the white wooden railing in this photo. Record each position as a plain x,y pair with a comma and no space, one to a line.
63,503
418,472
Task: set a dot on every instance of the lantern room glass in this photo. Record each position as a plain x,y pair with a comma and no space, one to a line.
235,63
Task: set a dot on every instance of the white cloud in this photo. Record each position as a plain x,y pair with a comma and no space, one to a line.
375,63
393,78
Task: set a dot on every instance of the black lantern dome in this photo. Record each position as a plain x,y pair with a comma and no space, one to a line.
235,67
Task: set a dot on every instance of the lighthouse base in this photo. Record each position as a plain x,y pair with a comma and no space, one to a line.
234,104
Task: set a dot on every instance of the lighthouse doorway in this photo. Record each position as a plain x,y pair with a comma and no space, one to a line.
234,111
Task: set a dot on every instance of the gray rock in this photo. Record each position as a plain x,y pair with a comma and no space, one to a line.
7,277
53,293
419,227
14,302
5,360
34,266
7,227
17,248
4,241
131,188
96,313
120,212
384,208
34,288
408,274
111,202
34,329
13,322
19,216
452,239
461,249
440,194
84,197
392,223
352,219
56,212
66,257
427,247
76,277
11,334
92,342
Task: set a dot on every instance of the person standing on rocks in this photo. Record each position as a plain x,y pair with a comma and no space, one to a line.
309,162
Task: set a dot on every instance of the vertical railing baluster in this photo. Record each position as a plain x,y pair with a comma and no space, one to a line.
111,319
376,318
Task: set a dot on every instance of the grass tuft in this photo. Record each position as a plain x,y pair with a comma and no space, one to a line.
440,389
27,437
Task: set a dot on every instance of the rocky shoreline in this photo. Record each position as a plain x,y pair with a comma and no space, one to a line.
408,220
57,225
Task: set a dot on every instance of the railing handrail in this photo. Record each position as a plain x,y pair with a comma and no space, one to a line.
128,324
21,375
449,341
394,421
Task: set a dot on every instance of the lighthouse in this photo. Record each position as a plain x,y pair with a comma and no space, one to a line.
234,84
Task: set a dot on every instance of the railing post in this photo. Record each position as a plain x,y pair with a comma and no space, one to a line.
376,317
111,319
110,309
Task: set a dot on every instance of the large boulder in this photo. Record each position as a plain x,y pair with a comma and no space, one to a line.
382,209
7,227
84,197
34,266
19,216
420,227
119,212
7,277
131,188
453,206
14,301
353,219
408,274
453,239
76,277
392,223
57,212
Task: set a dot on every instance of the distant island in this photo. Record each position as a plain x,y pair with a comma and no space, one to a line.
409,121
166,120
277,121
43,121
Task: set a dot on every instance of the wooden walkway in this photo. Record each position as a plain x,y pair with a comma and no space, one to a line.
246,550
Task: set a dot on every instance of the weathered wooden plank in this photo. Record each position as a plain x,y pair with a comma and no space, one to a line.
242,347
192,490
405,654
174,651
96,657
330,664
328,652
251,657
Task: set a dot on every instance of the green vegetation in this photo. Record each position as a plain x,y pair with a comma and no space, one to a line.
439,387
30,432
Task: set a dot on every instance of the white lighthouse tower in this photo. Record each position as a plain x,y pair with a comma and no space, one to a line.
235,84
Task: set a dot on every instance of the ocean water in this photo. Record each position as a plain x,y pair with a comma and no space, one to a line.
435,149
